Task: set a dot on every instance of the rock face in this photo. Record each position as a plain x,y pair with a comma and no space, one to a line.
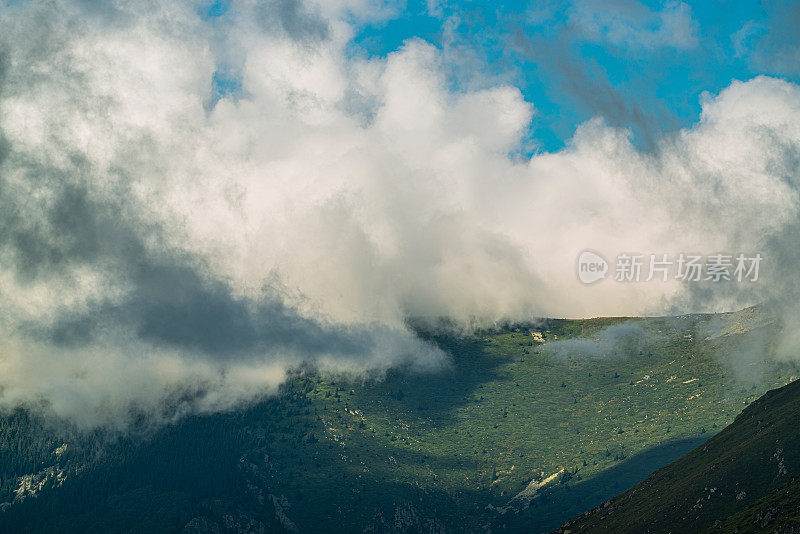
407,519
281,505
201,525
239,524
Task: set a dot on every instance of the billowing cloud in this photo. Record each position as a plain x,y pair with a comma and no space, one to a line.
168,247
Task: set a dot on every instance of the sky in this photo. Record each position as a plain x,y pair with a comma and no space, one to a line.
643,66
197,198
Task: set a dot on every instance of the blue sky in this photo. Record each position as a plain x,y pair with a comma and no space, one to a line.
640,65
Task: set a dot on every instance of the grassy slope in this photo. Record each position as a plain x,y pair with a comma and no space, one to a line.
778,511
753,457
428,451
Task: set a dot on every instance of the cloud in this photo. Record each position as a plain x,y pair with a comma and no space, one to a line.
583,81
771,45
629,23
168,249
616,341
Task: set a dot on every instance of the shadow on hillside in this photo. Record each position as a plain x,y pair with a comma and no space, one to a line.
435,396
552,508
196,468
193,469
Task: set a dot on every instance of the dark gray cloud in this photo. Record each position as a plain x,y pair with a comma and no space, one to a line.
584,81
171,297
54,225
296,18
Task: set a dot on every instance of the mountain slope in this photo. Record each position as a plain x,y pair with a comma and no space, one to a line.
531,425
778,511
742,477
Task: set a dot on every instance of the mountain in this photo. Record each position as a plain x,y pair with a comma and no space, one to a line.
744,479
530,425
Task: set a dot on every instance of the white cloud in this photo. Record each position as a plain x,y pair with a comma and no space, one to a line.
169,246
630,23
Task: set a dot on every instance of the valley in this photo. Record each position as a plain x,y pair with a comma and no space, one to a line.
530,425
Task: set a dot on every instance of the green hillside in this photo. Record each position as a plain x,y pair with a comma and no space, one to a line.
532,424
738,481
777,511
